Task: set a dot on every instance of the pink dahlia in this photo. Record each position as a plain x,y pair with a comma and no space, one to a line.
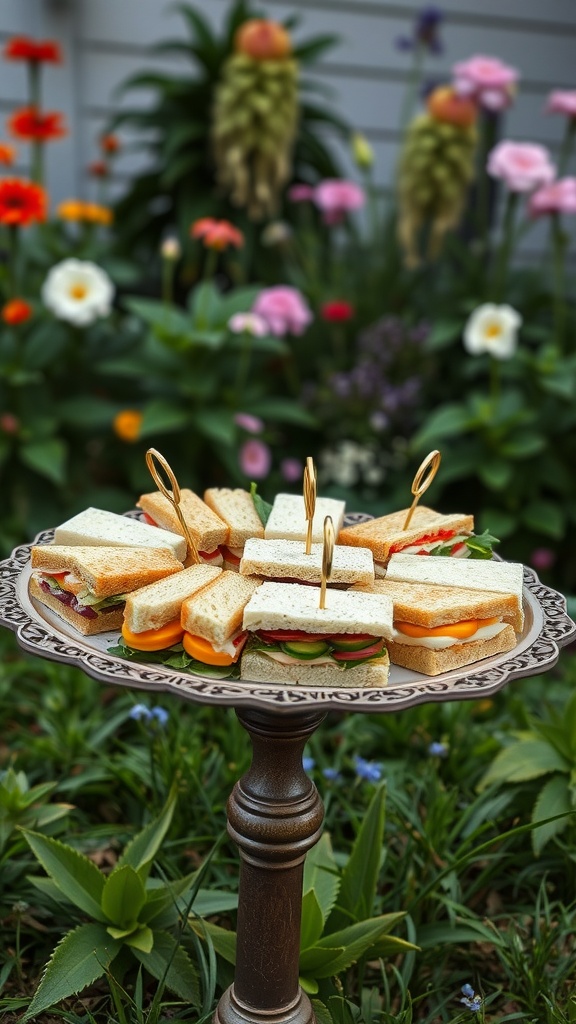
559,197
336,198
251,424
562,101
284,309
487,80
255,459
523,166
291,469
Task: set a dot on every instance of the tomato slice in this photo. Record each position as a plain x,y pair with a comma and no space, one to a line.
154,639
365,652
148,519
207,555
279,635
349,637
202,650
228,555
428,538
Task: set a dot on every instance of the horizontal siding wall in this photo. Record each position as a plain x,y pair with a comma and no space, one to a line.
107,40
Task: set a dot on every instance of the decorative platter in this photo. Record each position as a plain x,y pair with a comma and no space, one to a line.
39,631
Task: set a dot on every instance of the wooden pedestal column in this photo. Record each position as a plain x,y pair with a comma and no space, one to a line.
275,816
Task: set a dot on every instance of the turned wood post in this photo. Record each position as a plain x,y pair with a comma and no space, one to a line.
275,816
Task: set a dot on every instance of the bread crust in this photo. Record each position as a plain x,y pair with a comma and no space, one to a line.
432,605
432,663
216,612
207,529
258,667
277,559
107,570
381,534
159,603
103,624
236,508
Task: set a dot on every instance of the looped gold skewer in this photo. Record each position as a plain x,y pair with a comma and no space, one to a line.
421,482
173,496
309,500
327,556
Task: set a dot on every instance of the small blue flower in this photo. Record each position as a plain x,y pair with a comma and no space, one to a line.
438,750
370,771
140,711
308,763
161,715
470,999
332,774
467,990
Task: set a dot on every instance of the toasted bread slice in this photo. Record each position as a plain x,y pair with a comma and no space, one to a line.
104,621
107,570
236,508
287,519
207,529
384,533
258,667
95,526
432,662
159,603
216,612
432,605
295,606
287,558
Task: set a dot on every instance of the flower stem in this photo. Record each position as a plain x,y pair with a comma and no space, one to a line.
412,87
506,246
567,144
37,145
487,140
243,365
13,258
168,281
559,244
494,383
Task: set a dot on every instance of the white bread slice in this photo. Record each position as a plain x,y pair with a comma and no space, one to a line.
107,570
279,558
471,573
383,533
258,667
432,663
236,508
288,518
296,606
216,612
95,526
160,603
104,622
207,529
433,605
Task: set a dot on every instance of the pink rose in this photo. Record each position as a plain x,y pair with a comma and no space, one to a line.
562,101
559,197
291,469
249,323
487,80
524,166
255,459
284,309
301,193
251,424
336,198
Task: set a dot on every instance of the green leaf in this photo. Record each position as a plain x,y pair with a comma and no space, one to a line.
163,417
495,473
312,920
342,1010
205,306
554,798
523,445
168,962
123,896
360,876
447,421
140,853
48,458
497,521
443,333
317,958
223,940
545,517
142,939
45,344
88,412
347,946
263,508
455,932
79,959
75,875
163,318
281,410
216,424
321,874
322,1014
527,759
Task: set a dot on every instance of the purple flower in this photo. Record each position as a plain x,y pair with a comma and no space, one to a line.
291,469
542,559
332,774
308,763
336,197
284,309
301,193
255,459
251,424
425,31
370,771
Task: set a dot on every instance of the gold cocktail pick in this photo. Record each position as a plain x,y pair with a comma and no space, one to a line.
327,556
421,482
309,500
173,497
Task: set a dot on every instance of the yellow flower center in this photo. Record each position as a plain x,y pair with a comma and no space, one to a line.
493,330
78,291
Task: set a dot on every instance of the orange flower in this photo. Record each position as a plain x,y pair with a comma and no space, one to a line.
31,125
109,143
24,48
21,202
17,311
71,209
7,154
126,425
217,234
94,213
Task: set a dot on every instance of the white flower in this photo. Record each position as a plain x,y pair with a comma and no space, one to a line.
249,323
78,291
492,329
171,248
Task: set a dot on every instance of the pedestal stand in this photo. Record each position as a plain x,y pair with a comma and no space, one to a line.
275,816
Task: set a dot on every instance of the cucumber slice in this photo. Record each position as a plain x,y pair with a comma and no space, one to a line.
305,651
352,645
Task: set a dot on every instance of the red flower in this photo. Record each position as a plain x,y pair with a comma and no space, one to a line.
23,48
98,169
337,311
17,311
109,143
21,202
7,154
9,424
217,234
31,125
